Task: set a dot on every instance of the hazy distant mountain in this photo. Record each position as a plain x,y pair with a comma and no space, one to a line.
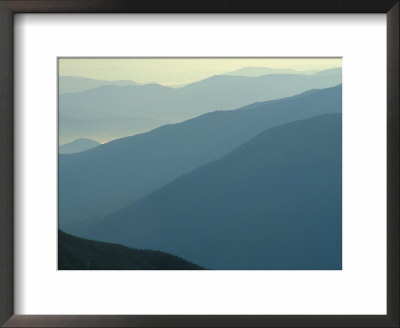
259,71
219,92
272,203
330,72
78,146
82,254
104,179
68,84
103,129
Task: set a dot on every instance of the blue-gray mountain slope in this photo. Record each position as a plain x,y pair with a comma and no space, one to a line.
272,203
102,180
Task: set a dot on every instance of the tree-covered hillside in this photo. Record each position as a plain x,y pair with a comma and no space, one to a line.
82,254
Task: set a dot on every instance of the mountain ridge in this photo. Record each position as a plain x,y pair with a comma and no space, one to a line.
177,104
286,182
77,146
76,253
72,84
101,180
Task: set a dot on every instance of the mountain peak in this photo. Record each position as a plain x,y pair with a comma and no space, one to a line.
77,146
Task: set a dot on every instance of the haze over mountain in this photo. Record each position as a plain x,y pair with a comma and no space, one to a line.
78,146
272,203
82,254
219,92
68,84
103,129
179,70
330,72
104,179
259,71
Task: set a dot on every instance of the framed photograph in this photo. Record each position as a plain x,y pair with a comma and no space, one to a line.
199,164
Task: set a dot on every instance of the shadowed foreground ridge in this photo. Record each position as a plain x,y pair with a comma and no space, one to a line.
83,254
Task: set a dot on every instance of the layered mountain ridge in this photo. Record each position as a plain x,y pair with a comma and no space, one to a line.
219,92
272,203
99,181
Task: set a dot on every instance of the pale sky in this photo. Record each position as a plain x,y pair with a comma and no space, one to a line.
177,71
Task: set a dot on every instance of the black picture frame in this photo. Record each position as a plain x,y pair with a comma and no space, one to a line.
10,7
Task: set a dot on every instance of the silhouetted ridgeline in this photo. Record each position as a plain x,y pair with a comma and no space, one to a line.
82,254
